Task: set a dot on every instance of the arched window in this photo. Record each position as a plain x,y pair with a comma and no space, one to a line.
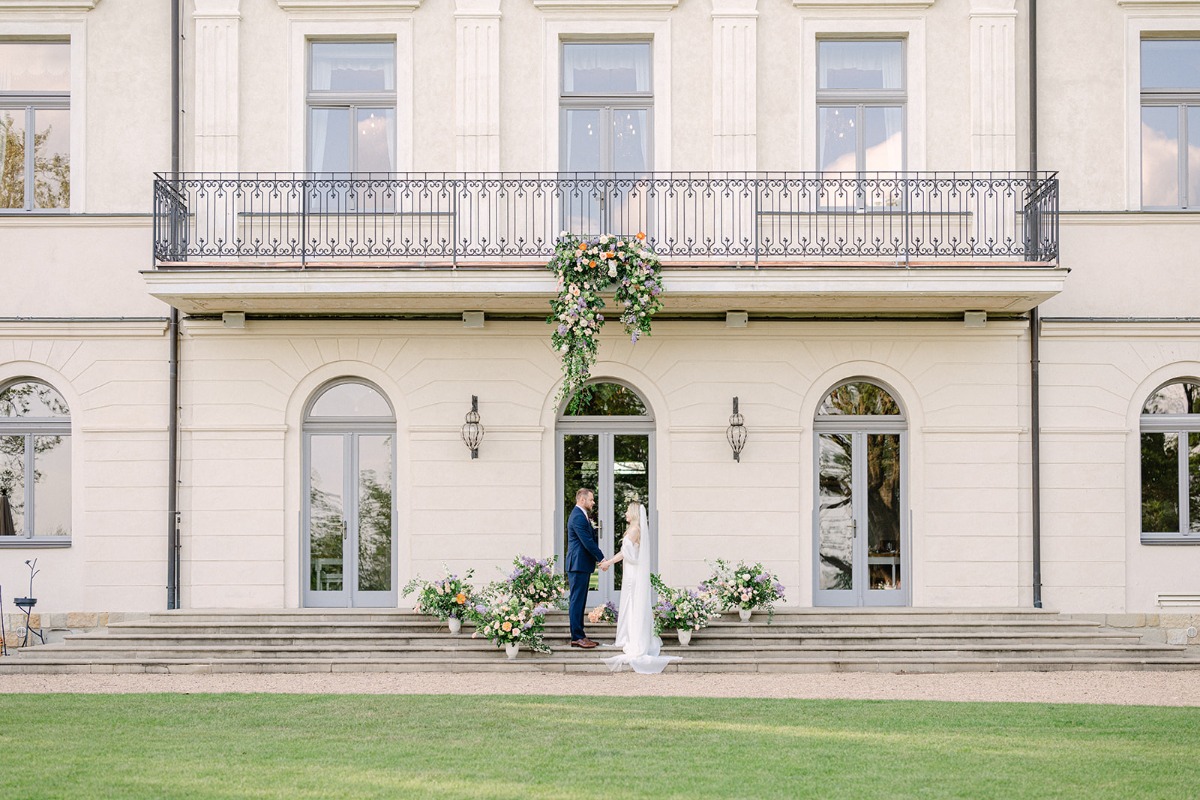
1170,440
35,462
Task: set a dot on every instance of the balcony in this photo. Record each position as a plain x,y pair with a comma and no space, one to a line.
763,242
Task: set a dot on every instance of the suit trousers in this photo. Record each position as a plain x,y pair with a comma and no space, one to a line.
578,584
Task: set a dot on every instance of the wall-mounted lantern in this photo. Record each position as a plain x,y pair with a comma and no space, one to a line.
472,431
736,433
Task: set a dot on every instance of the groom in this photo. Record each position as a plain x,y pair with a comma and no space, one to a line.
582,554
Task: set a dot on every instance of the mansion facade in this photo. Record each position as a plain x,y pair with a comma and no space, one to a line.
273,323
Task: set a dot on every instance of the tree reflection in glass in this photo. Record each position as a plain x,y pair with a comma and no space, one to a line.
326,516
375,513
836,511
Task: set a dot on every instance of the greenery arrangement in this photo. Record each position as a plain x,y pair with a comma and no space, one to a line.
508,619
743,586
447,597
536,581
604,613
585,268
682,609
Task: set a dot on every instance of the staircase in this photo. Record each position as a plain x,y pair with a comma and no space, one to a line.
797,640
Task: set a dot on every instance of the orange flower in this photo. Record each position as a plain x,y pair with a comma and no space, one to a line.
592,263
583,245
507,626
609,255
460,598
641,236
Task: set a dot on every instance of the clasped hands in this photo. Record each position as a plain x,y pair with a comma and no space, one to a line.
604,565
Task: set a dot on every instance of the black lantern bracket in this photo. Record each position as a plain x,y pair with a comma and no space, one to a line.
472,430
736,432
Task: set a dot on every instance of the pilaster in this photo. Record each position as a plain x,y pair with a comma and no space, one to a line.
993,85
477,85
735,110
215,108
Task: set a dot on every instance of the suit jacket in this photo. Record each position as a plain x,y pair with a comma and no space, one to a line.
583,551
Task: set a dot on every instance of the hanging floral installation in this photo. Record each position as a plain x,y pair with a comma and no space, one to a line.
585,269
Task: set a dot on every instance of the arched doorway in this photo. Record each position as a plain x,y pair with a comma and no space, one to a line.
605,442
349,520
860,521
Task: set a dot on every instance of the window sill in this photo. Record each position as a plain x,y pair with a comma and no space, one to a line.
1170,539
20,542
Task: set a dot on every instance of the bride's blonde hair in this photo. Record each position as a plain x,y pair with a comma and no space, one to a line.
636,507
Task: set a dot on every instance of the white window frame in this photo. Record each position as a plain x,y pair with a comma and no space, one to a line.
1183,425
655,27
38,426
351,101
861,99
1146,20
815,26
74,31
1179,101
303,31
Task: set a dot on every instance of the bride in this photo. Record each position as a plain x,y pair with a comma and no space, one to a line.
635,622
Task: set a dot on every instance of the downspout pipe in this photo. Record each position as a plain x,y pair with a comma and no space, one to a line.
173,352
1035,401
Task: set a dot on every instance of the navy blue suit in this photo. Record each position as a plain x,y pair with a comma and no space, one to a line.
583,552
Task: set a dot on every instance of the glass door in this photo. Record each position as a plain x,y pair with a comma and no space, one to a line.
348,521
617,467
860,522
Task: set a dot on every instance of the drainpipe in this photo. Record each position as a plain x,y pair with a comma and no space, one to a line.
173,357
1035,403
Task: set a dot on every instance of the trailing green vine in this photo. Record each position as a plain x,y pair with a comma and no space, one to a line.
585,269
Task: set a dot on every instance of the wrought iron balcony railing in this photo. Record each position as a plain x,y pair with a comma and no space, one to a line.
741,217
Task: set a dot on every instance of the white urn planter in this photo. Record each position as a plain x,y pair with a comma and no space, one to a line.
744,614
455,625
511,649
685,637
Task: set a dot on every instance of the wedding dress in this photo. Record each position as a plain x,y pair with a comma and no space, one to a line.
635,620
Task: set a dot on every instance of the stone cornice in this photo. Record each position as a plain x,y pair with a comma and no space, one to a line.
606,5
1161,5
47,5
342,6
882,5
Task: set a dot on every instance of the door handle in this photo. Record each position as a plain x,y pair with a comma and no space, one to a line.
345,531
854,528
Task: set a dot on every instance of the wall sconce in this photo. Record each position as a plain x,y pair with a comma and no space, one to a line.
472,431
736,433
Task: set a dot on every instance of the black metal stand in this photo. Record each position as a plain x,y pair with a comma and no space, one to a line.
26,605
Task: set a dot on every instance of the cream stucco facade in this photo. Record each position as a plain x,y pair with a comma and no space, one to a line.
86,308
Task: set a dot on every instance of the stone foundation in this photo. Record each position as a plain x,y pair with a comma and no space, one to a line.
1176,628
55,626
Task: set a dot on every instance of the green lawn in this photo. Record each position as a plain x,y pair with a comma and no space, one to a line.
316,746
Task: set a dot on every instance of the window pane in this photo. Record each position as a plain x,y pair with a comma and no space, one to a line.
52,485
353,67
861,65
329,139
375,513
583,140
630,140
838,139
836,511
861,399
1180,397
376,140
1171,64
32,399
12,479
326,515
1160,156
883,139
605,400
351,400
31,67
1194,482
12,158
606,68
1160,483
1193,165
52,159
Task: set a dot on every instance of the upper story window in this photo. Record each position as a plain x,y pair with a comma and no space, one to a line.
607,107
1170,439
352,106
35,125
861,99
35,462
1170,123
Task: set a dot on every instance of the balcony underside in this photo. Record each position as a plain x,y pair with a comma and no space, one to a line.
508,288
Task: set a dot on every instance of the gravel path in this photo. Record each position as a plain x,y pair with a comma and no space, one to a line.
1114,688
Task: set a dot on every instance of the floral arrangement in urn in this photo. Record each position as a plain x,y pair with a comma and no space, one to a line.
682,609
585,268
744,587
604,613
446,598
536,581
510,621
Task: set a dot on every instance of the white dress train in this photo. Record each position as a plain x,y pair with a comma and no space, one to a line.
635,620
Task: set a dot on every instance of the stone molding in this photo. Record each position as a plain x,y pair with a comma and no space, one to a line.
340,6
477,85
735,82
48,5
215,113
606,5
843,5
993,85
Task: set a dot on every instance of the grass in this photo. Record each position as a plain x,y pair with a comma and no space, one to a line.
318,746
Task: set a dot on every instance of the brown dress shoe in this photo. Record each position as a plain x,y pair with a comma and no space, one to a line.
587,643
578,643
